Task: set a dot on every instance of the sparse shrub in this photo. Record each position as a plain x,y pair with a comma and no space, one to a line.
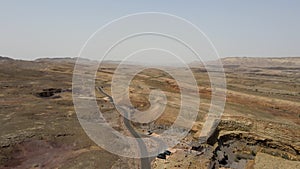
285,156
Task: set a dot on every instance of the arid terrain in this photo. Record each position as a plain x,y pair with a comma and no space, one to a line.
260,127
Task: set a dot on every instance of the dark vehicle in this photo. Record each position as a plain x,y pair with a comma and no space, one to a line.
167,152
161,156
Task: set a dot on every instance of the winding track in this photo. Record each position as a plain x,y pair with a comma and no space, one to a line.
145,162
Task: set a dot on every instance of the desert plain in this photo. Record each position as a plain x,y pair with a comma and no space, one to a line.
260,126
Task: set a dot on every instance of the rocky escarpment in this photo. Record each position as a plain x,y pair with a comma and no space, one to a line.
238,141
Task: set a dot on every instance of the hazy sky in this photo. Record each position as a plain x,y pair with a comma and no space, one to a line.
33,28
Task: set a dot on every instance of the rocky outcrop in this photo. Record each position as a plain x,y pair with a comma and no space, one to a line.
51,92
